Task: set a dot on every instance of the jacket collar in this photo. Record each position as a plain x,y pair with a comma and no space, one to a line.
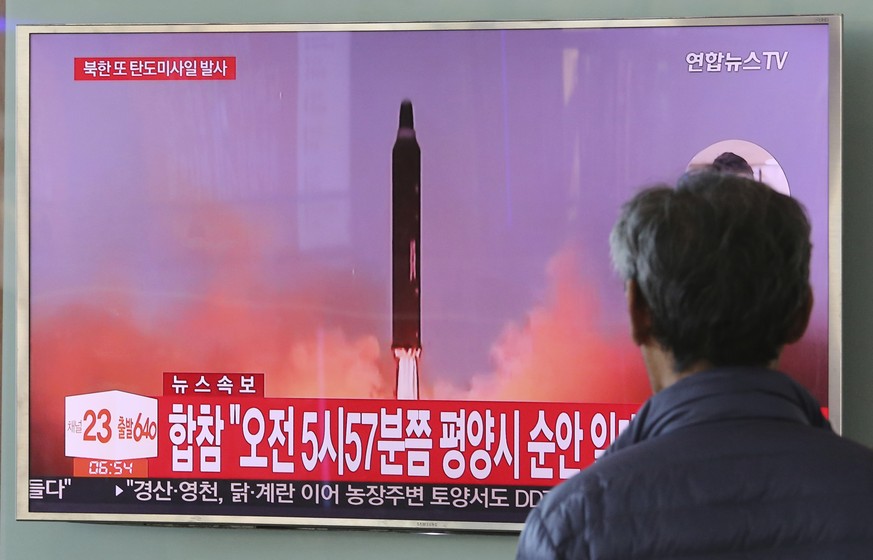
735,393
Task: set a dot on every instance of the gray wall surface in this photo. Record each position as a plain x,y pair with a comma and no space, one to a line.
80,541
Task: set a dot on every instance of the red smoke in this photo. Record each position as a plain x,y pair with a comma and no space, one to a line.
556,354
559,352
237,321
237,325
83,350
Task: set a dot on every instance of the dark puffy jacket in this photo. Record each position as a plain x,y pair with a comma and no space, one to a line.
728,463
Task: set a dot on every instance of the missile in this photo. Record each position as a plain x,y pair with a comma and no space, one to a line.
406,234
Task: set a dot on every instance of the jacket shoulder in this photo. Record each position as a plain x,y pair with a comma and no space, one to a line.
558,526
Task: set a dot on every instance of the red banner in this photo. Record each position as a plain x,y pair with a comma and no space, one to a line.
382,440
155,68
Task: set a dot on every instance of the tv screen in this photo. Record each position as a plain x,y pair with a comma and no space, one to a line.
358,274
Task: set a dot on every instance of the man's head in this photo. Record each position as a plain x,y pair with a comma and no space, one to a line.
717,270
729,162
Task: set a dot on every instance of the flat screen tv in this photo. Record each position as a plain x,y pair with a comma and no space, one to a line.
357,275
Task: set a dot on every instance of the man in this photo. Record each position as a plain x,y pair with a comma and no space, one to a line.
729,458
729,162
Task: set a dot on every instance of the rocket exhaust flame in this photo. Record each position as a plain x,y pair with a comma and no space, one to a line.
407,373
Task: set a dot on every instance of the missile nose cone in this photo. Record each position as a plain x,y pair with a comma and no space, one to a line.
406,114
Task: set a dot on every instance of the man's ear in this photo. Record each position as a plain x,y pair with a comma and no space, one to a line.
640,314
801,320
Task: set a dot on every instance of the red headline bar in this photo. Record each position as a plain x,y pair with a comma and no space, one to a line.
155,68
381,440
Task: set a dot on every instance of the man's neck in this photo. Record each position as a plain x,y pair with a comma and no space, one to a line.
662,373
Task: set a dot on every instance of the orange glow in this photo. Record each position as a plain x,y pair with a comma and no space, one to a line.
558,352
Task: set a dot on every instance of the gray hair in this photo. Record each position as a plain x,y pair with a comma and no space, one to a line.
722,262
